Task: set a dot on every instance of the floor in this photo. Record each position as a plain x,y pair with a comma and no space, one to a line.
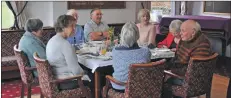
219,87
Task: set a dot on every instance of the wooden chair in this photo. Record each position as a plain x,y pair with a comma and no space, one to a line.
144,81
25,71
49,85
197,80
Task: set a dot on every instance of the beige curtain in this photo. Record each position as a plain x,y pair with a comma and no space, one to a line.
18,6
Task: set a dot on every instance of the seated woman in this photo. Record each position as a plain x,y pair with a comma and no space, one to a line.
147,30
31,41
126,53
60,53
173,36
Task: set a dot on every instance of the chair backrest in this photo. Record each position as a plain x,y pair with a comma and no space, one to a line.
145,80
45,76
22,60
198,77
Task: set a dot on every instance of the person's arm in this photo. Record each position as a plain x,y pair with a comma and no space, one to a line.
36,47
90,34
94,36
71,59
163,43
152,36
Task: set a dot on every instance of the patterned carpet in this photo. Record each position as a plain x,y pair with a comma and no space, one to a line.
12,89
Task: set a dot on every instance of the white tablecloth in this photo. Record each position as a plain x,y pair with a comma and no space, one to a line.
94,63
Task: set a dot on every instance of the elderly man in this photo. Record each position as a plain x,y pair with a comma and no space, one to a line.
95,29
31,41
78,37
193,43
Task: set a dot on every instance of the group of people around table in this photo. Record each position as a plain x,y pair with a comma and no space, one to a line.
185,38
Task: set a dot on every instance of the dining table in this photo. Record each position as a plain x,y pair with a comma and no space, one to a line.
89,56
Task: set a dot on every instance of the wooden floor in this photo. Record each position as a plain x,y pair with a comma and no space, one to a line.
219,87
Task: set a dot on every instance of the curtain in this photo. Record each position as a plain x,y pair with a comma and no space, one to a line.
186,7
21,12
15,26
18,9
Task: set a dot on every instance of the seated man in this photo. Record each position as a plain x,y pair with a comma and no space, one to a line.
78,36
95,29
31,41
193,43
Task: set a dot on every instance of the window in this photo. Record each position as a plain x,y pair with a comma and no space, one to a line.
7,16
161,8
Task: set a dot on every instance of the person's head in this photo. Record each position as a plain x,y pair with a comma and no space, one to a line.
96,15
34,26
129,34
174,27
144,16
189,29
74,13
65,24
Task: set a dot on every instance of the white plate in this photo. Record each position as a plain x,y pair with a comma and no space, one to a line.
96,42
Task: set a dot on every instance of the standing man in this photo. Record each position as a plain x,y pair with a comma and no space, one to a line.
95,29
78,36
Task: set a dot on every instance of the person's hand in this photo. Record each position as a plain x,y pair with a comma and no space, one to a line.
173,49
106,34
164,46
116,41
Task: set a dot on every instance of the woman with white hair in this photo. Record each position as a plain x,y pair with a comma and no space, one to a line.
147,30
126,53
173,36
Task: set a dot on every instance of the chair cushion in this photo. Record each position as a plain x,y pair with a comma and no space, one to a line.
72,93
113,94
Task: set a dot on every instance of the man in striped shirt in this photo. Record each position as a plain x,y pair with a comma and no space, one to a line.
193,44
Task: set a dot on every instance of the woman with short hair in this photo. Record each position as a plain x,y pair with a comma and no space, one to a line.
60,53
173,36
31,41
126,53
147,30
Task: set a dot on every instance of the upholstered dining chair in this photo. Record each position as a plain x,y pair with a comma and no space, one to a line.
25,71
144,81
49,85
197,80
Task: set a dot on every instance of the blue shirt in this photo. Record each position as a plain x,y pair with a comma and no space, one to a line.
123,57
91,26
78,37
30,44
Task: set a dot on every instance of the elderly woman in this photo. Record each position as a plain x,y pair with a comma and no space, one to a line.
147,30
31,41
126,53
61,55
173,36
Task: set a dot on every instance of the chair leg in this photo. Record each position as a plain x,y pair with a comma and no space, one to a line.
208,94
29,91
22,90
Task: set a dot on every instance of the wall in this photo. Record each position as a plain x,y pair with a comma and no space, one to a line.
198,10
42,10
48,12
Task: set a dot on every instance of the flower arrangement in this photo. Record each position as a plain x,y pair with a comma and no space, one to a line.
111,33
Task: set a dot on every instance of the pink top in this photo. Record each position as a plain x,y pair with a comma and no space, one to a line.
147,34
